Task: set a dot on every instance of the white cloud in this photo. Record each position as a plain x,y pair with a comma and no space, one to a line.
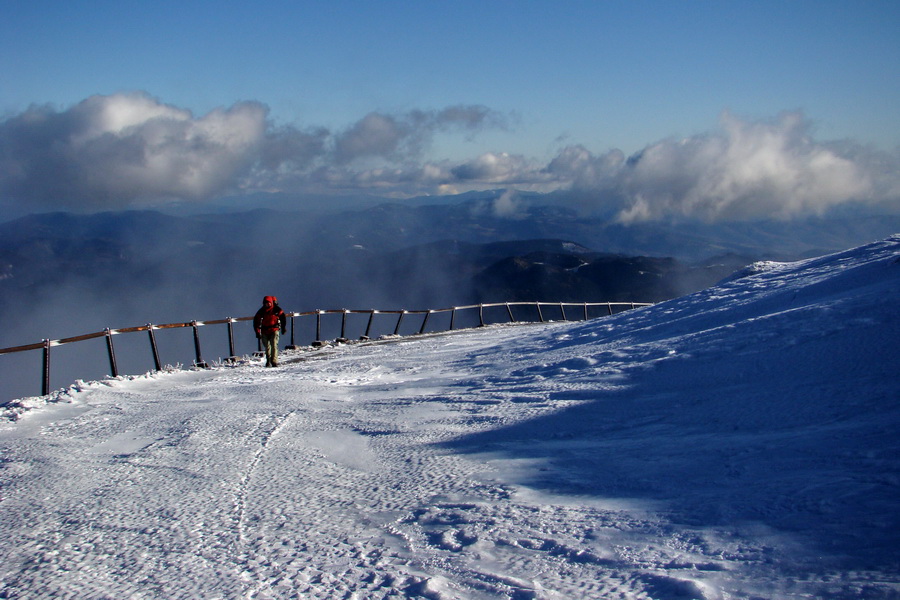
406,136
124,149
509,205
747,170
500,168
374,135
118,150
114,150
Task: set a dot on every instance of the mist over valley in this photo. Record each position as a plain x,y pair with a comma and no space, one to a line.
65,274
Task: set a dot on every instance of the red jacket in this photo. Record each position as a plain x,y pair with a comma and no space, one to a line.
269,318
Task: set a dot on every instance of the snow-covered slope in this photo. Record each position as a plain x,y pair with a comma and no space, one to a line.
736,443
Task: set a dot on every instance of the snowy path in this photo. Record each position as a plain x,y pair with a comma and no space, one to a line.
739,443
283,484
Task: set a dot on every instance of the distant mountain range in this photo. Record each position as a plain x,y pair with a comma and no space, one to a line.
64,274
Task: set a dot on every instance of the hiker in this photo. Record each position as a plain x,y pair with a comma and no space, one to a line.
267,322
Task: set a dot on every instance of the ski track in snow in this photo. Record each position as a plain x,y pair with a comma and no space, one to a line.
737,443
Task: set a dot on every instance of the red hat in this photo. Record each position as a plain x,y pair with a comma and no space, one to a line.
271,299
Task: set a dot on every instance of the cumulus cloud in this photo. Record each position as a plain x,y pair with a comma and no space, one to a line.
375,135
118,150
493,168
509,205
746,170
404,137
114,150
126,149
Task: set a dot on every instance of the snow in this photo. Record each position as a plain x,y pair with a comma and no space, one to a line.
740,442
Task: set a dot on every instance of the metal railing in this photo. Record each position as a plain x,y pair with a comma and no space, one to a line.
401,315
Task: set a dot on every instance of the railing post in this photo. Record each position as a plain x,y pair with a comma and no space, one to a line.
318,343
425,322
400,320
45,385
113,367
292,345
343,337
230,338
199,362
232,357
369,324
153,347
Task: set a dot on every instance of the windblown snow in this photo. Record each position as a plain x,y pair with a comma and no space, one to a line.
740,442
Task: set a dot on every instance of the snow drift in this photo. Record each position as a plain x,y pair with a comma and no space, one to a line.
739,442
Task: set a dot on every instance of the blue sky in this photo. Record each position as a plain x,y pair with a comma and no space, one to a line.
545,79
